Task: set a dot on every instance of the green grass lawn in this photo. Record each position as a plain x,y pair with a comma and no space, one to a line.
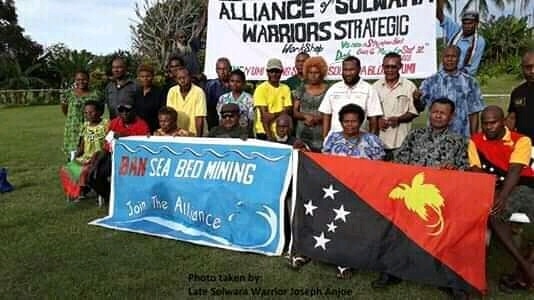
47,250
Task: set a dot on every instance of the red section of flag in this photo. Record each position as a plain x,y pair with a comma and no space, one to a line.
467,199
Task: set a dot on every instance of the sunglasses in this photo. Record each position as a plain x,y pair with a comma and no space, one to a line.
124,109
228,115
274,71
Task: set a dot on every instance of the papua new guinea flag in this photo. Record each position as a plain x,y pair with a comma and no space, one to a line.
420,224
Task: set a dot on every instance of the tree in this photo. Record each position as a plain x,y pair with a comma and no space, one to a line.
157,23
64,63
15,77
12,39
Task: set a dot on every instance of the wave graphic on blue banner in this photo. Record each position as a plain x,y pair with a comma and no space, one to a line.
224,193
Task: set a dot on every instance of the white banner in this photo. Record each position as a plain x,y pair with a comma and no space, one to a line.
249,32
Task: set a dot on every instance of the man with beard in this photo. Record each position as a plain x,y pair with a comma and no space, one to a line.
471,44
521,107
351,90
395,94
457,86
215,88
189,102
230,127
120,87
506,154
271,99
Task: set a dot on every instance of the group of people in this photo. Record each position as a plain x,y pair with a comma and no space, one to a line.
351,118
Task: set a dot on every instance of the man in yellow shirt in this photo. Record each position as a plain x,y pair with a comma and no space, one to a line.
190,102
271,99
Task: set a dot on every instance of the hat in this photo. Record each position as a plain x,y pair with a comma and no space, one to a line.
470,15
230,108
274,63
128,106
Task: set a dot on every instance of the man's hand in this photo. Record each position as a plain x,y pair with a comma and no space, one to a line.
267,117
499,205
393,122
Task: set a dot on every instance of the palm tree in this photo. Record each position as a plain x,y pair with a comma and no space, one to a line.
15,78
67,62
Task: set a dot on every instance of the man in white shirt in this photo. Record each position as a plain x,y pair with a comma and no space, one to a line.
351,90
395,94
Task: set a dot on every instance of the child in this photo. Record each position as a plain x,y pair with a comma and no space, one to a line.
240,97
168,118
74,175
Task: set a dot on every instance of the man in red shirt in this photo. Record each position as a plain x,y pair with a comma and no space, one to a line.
506,154
127,123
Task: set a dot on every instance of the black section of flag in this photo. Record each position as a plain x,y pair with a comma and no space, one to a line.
366,240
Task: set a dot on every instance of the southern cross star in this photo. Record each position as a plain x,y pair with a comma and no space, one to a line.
341,214
331,227
320,241
329,192
309,208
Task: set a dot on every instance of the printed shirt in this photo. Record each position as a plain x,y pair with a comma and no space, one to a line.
367,146
245,102
93,139
194,105
424,147
451,29
339,95
74,119
396,102
459,87
276,99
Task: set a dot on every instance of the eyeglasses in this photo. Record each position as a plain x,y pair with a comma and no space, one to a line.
228,115
124,109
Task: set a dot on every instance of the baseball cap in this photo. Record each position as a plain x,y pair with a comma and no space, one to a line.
274,63
470,15
230,108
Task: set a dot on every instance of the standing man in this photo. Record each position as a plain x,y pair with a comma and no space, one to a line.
271,99
188,49
521,107
461,88
351,90
173,65
395,94
506,154
120,87
149,99
471,44
215,88
298,79
189,102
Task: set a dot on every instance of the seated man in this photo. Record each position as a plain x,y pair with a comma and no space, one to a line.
126,124
432,146
230,127
506,154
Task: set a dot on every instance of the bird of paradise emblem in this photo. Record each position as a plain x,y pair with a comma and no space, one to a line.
420,196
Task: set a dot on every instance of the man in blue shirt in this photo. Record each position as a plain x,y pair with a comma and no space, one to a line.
215,88
471,44
459,87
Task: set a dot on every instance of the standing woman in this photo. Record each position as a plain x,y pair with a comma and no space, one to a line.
306,101
72,106
149,99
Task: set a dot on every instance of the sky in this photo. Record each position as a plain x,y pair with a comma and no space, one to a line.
100,26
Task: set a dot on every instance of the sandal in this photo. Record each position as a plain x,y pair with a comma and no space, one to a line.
296,262
343,273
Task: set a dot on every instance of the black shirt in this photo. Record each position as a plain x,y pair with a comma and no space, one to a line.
114,93
522,104
147,106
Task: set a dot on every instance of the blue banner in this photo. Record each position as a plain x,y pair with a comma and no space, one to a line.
225,193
